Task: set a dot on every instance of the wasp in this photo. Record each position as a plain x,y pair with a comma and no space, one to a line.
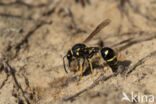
78,51
81,51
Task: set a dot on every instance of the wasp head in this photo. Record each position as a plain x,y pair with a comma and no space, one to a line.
69,57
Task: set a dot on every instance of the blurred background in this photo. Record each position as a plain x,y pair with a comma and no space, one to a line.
36,34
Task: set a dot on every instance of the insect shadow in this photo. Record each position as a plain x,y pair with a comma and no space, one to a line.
125,65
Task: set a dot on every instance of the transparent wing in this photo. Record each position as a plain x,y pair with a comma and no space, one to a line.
97,29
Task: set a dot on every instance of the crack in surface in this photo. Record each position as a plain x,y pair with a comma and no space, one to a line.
140,62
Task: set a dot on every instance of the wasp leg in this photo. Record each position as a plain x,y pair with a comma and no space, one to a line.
81,71
78,65
90,65
77,68
81,68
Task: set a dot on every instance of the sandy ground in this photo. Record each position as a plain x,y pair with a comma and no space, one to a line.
35,35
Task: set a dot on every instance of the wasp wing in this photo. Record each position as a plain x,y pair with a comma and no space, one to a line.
97,29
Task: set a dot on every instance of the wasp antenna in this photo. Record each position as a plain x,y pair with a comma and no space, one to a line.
64,64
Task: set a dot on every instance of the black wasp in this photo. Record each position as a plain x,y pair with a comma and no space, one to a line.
86,53
81,51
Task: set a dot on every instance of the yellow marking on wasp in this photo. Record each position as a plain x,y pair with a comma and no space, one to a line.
71,52
77,53
111,59
78,49
106,53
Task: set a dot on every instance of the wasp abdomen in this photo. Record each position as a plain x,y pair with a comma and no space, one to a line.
109,56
